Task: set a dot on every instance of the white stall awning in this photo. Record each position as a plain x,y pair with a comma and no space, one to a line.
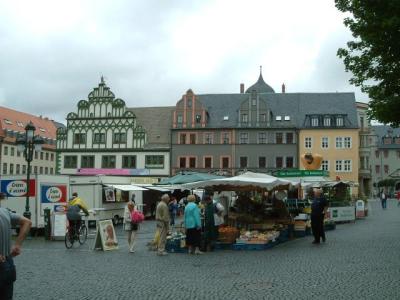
127,187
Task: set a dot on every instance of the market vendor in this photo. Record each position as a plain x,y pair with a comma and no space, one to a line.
319,207
210,230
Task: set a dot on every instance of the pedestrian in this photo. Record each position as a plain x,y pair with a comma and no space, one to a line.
163,219
128,226
398,198
192,225
210,230
319,206
383,197
9,220
173,209
219,210
133,196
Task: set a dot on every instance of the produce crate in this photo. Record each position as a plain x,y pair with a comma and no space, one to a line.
255,246
222,246
299,233
174,246
228,237
238,246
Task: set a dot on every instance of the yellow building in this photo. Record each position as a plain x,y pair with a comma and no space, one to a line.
339,147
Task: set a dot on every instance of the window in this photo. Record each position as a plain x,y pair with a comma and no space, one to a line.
5,150
179,119
11,169
47,155
79,138
207,162
279,138
339,142
385,153
182,138
289,162
36,155
324,142
397,140
377,153
287,118
35,170
208,138
386,168
226,118
289,137
327,121
198,118
279,162
338,167
307,142
99,138
278,118
12,151
339,121
243,162
52,156
119,137
245,118
87,161
347,142
262,162
262,137
23,169
182,162
192,162
51,171
225,138
325,165
108,161
129,161
192,138
347,165
4,168
377,169
362,122
18,153
46,170
70,161
387,140
41,170
243,138
225,162
41,155
314,121
189,102
7,121
263,117
154,161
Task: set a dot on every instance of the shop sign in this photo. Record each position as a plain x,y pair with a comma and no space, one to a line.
120,172
342,214
301,173
53,193
18,188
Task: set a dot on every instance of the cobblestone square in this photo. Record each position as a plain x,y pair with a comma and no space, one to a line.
359,261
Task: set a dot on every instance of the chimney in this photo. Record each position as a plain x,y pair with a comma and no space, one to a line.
242,88
283,88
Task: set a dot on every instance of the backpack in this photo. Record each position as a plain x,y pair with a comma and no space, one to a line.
137,217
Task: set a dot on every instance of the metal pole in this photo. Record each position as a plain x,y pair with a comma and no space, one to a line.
28,158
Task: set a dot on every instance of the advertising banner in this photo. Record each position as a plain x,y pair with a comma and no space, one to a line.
53,193
18,188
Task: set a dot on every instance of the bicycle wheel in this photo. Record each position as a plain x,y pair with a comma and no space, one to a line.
82,234
69,240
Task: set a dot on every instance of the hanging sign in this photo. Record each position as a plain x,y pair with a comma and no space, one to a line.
18,188
53,193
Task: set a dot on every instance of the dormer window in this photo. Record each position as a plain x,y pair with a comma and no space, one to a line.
245,118
226,118
7,121
287,118
339,121
179,119
314,121
42,129
20,124
189,102
278,118
327,121
198,118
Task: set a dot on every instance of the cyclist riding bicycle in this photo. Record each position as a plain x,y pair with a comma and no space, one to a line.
73,213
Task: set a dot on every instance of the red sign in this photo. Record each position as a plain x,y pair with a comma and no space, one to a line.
18,188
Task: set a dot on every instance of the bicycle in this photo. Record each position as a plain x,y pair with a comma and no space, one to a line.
75,234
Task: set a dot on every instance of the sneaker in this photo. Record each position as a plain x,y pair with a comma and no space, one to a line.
162,253
198,252
132,251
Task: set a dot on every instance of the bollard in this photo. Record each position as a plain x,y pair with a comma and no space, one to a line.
47,223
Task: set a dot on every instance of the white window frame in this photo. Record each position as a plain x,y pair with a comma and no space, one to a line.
347,143
241,138
208,138
308,140
265,138
347,165
327,121
314,122
339,142
325,142
339,166
339,121
325,165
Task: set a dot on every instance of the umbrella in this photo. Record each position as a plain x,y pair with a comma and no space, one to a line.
186,177
246,181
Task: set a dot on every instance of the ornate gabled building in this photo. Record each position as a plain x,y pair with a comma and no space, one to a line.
104,137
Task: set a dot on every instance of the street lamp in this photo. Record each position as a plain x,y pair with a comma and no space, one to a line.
28,144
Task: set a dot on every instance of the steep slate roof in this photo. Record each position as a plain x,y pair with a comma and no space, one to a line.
295,105
260,86
381,131
157,122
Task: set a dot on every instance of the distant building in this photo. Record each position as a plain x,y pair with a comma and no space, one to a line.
13,125
105,137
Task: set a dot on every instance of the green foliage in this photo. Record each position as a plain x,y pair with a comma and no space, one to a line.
374,55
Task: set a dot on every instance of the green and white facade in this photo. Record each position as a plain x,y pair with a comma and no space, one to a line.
104,137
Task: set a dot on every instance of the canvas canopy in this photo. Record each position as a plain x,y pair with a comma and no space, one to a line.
126,187
187,177
246,181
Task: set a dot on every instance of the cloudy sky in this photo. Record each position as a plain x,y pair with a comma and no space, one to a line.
52,53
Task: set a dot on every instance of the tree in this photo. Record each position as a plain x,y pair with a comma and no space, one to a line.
374,56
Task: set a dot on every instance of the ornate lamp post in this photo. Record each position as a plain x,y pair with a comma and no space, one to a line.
28,144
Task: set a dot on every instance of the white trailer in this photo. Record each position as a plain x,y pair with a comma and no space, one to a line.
45,191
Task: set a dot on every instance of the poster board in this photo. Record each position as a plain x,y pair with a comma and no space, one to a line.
109,193
106,239
342,214
59,226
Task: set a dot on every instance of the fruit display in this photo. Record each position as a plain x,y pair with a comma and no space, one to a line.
227,234
257,237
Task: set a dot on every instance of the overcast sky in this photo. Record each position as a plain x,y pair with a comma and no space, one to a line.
52,53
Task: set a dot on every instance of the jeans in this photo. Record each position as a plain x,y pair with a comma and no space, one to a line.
383,203
7,278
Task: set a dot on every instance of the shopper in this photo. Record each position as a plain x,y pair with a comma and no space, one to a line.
319,206
128,227
398,198
210,230
7,267
192,225
163,219
173,209
383,196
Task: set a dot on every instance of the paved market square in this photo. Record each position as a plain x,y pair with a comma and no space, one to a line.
360,260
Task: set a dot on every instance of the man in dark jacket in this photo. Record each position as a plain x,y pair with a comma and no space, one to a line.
319,206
